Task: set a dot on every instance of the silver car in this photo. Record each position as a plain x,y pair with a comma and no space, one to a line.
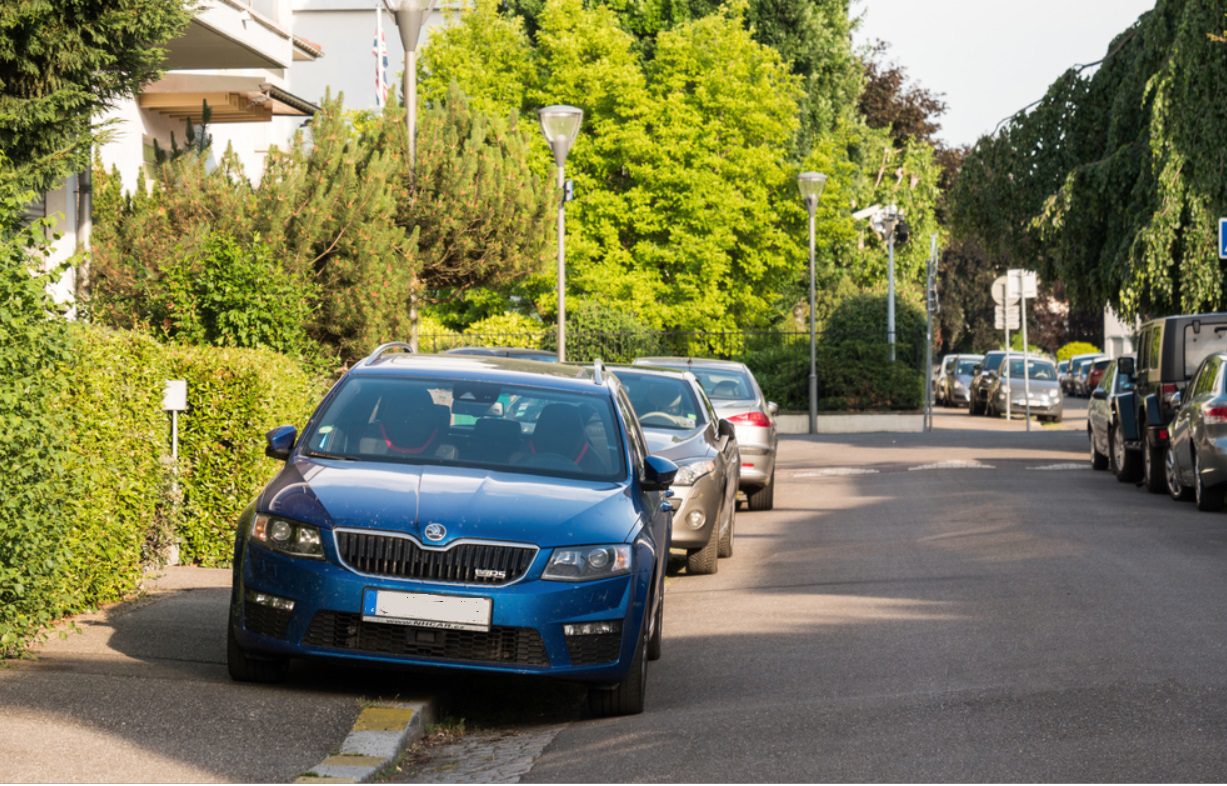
738,399
680,423
956,383
1046,400
1196,460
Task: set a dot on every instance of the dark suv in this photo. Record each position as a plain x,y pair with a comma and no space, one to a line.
1169,351
982,380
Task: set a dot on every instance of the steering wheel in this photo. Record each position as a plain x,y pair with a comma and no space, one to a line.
669,420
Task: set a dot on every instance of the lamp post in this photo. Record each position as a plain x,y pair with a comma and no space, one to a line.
560,124
410,16
810,184
885,224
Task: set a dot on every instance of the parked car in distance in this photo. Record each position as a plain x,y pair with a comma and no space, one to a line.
956,386
528,539
681,424
1196,461
939,380
1095,373
984,376
520,353
1070,384
1082,375
1109,425
1170,350
735,393
1040,381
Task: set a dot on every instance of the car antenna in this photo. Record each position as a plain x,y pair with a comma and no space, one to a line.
598,372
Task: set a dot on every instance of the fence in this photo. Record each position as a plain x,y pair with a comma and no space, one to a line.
852,374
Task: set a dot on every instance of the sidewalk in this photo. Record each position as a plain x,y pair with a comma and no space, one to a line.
142,694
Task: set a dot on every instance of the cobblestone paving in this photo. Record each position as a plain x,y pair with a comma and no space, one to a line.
501,756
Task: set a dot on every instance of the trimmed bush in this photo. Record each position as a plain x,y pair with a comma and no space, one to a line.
507,330
1074,348
854,368
234,395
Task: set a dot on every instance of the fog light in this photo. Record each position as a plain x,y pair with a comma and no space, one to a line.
695,519
272,601
593,628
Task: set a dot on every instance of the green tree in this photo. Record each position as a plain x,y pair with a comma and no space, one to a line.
63,62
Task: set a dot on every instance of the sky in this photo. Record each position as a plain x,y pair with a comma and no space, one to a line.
991,57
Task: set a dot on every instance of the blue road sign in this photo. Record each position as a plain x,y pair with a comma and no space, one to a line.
1222,238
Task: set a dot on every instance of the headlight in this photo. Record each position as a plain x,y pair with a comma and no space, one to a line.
585,563
688,474
289,537
958,385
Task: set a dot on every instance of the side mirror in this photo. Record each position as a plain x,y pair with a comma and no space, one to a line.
1126,366
976,369
773,408
726,429
1099,394
1177,399
280,442
658,473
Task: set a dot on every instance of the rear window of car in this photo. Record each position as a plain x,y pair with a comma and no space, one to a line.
489,425
725,384
1200,344
660,401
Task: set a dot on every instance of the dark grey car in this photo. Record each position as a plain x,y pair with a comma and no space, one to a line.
1196,461
735,393
956,384
681,424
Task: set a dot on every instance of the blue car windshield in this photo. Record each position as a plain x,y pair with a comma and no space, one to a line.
666,402
466,423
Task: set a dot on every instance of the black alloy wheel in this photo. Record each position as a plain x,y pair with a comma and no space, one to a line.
1153,457
1098,460
1207,498
1124,461
1175,487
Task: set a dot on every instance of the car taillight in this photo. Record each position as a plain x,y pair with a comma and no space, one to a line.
752,418
1163,435
1214,416
1167,391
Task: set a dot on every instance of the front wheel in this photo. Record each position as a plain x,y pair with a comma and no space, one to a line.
1175,486
1098,460
1125,462
1208,498
1153,461
629,695
764,498
726,532
243,668
704,561
656,640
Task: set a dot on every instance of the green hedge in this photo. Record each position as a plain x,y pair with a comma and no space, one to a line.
89,498
234,396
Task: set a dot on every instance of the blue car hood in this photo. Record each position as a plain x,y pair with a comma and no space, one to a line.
469,503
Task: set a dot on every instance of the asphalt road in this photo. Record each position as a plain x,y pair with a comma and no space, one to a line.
957,606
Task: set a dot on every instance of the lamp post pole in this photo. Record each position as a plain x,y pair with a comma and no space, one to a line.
560,125
811,184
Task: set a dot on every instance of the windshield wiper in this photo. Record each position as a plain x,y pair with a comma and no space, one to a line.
327,455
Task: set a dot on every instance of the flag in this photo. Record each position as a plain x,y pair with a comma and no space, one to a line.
380,50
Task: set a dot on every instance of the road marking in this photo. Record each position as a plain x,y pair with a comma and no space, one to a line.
973,464
1064,466
379,734
831,472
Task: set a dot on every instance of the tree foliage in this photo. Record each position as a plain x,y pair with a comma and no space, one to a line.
1111,184
63,61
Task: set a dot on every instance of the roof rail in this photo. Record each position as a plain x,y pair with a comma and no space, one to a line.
391,345
598,372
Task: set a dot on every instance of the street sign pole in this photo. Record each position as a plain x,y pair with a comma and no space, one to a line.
1022,299
1005,365
929,271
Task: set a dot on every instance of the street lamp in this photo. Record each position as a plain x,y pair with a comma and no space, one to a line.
884,224
410,16
560,124
810,184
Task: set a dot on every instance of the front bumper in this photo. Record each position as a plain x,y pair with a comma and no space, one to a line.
1039,407
960,396
704,497
526,624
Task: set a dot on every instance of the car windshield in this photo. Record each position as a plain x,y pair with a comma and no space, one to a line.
725,384
967,366
488,425
662,401
1039,370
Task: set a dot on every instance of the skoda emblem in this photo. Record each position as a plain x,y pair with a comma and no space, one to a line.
435,532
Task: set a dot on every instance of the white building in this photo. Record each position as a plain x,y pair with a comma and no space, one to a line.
1117,336
238,56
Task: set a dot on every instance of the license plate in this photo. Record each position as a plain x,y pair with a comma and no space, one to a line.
446,612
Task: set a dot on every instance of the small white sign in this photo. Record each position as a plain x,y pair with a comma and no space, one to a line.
174,395
1030,283
446,612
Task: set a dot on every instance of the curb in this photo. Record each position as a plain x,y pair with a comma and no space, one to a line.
380,733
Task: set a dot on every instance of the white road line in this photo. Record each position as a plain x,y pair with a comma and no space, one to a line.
1057,467
832,472
973,464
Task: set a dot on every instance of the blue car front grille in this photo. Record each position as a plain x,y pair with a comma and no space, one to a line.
338,630
380,554
601,648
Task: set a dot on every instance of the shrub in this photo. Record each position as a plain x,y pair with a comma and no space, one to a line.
1076,348
612,334
234,396
510,329
434,336
854,368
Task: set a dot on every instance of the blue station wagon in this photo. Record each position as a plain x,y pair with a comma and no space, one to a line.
460,512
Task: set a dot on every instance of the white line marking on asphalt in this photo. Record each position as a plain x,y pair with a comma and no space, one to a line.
1055,467
831,472
973,464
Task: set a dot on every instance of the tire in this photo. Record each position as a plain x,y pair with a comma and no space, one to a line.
764,498
1207,498
627,697
1098,460
726,534
1126,464
243,668
1175,487
704,561
1153,477
972,407
656,640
